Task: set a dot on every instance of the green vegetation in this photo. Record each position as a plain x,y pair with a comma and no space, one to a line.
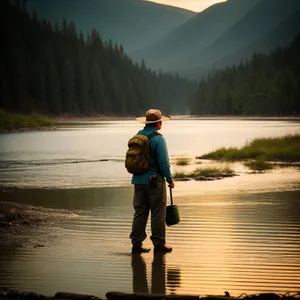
285,149
206,172
10,121
178,175
182,161
259,165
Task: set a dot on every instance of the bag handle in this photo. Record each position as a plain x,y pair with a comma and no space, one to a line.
171,196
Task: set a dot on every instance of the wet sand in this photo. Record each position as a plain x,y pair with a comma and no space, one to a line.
24,225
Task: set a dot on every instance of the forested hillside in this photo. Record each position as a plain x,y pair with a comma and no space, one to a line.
56,70
132,23
265,85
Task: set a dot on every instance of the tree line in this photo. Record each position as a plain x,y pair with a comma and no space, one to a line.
267,84
53,69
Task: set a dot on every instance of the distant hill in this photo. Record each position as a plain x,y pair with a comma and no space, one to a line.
195,34
265,16
223,34
132,23
280,36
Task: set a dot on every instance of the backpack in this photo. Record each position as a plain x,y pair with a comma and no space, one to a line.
138,159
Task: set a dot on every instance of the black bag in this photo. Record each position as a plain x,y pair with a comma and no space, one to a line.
172,214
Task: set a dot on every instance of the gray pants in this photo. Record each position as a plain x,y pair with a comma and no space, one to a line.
149,197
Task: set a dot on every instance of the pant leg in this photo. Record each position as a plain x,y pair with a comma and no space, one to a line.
141,213
157,199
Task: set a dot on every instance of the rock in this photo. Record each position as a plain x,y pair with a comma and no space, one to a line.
183,179
4,223
2,294
63,295
204,178
34,296
125,296
25,222
227,175
2,218
13,295
31,295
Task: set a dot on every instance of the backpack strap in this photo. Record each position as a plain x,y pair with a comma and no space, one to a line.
151,135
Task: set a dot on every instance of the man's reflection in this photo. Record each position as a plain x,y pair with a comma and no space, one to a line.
158,279
158,274
140,284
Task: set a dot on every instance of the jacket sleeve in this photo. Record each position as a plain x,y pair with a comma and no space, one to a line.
163,158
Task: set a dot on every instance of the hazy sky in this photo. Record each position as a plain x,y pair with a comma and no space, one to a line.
195,5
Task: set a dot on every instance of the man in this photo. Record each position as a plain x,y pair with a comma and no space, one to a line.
150,188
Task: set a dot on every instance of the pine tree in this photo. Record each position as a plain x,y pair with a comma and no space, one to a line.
68,88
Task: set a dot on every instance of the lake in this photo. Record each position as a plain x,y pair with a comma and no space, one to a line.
239,234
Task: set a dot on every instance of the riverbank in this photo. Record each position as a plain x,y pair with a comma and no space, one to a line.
10,122
24,225
7,294
27,129
280,149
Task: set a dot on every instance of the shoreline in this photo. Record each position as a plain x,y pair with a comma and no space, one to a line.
175,117
11,294
29,129
23,225
69,120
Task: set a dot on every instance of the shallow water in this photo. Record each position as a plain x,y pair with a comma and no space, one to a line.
93,155
239,234
240,243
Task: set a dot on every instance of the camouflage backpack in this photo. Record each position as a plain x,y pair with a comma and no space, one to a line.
138,157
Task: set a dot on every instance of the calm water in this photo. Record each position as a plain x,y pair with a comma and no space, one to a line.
240,234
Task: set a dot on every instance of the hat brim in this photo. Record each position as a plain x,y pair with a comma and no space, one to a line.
143,120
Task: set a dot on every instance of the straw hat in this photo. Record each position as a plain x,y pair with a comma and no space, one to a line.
153,116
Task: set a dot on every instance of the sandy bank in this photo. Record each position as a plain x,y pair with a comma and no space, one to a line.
25,225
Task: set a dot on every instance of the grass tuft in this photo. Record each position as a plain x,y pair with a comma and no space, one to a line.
206,172
285,148
259,164
182,161
177,175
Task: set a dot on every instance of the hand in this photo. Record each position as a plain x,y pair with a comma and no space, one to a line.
171,185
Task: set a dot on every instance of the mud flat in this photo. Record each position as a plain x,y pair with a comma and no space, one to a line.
24,225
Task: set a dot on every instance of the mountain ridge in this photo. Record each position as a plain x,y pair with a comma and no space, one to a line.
197,32
264,17
126,22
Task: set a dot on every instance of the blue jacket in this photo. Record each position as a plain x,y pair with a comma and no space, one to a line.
159,159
